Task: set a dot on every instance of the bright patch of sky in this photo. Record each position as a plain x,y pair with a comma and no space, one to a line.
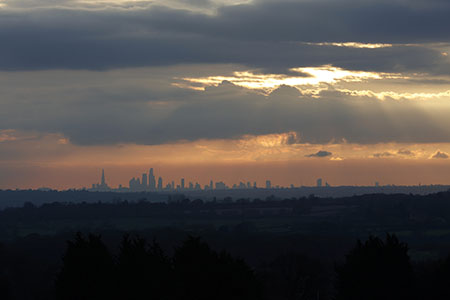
200,6
314,77
313,80
353,45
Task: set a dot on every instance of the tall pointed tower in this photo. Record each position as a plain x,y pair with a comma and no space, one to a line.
103,183
151,180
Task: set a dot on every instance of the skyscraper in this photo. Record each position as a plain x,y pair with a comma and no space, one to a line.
151,180
131,183
160,183
182,183
319,182
144,181
221,185
268,184
102,186
103,183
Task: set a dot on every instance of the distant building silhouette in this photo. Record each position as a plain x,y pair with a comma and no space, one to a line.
102,186
103,183
221,185
131,183
148,182
160,183
144,181
151,180
319,182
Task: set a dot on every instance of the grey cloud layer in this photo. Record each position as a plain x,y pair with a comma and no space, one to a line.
97,108
140,106
264,34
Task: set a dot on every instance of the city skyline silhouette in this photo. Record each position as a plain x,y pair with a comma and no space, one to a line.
148,182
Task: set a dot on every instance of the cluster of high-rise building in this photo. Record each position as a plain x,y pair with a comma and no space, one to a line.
147,182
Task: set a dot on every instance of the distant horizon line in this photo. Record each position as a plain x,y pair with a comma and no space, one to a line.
164,191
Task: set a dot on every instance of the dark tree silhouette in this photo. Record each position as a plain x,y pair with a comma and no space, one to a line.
4,282
87,270
202,273
434,279
4,288
294,277
376,269
441,284
142,269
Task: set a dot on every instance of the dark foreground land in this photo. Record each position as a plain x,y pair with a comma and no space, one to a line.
298,248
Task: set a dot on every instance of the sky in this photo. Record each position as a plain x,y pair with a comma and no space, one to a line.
352,91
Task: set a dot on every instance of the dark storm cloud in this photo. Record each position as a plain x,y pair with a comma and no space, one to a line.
335,21
221,112
266,35
320,153
270,36
231,115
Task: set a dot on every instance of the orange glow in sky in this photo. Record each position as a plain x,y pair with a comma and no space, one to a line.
280,157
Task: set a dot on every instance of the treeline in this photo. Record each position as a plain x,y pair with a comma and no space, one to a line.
16,198
373,269
143,208
377,207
